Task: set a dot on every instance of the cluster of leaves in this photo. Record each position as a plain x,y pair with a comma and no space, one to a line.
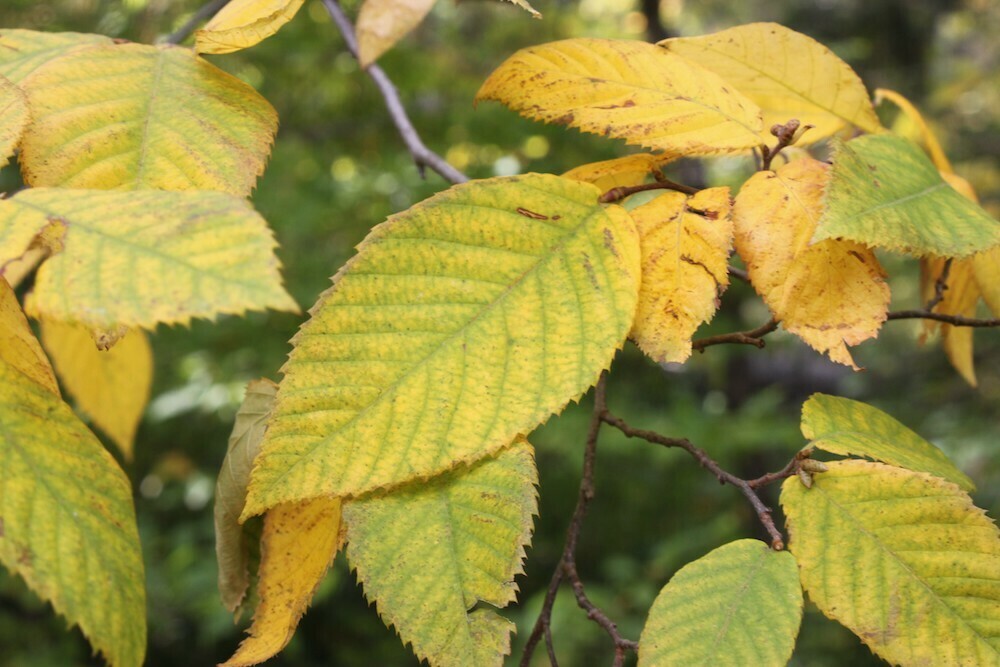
398,430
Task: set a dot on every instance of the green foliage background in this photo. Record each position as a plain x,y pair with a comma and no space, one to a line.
338,168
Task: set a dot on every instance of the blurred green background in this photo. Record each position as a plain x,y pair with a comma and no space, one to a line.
338,168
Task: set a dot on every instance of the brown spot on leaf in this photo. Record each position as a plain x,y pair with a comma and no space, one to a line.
531,214
609,242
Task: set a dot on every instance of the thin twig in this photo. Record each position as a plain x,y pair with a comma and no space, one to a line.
753,337
206,11
422,156
954,320
940,285
619,193
739,274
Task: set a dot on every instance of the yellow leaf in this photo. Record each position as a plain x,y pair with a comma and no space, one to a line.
132,116
13,118
927,137
19,349
960,298
382,23
297,546
621,171
901,558
242,23
788,74
628,90
460,323
428,552
67,524
831,294
685,243
112,386
231,549
223,262
24,51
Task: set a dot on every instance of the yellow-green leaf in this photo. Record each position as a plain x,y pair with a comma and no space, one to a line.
19,348
297,546
13,118
901,558
132,116
629,90
24,51
382,23
851,428
231,547
685,243
927,137
716,610
242,23
428,552
621,171
67,525
461,323
110,386
787,74
885,192
200,254
831,294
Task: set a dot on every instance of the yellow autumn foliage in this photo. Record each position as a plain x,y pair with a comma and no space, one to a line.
241,24
13,118
618,172
382,23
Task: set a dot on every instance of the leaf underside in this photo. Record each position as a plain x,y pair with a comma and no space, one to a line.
241,24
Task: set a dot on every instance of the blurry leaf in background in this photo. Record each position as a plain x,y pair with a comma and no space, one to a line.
719,609
105,241
925,136
241,24
231,549
144,117
788,74
297,545
24,51
430,553
884,192
110,386
628,90
382,23
685,243
831,294
13,118
852,428
901,558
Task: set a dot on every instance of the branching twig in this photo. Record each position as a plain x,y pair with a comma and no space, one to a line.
940,285
206,11
619,193
787,135
423,156
753,337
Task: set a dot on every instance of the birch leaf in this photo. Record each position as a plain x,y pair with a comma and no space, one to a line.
66,518
231,549
621,171
628,90
461,323
787,74
297,546
901,558
428,552
831,294
110,386
24,51
927,138
13,118
884,192
851,428
19,348
132,116
716,609
382,23
685,243
223,262
243,23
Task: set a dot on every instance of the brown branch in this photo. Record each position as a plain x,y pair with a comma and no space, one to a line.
753,337
205,12
619,193
954,320
724,477
566,570
422,156
787,135
940,285
739,274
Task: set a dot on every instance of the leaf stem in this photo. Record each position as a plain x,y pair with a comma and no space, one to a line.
619,193
753,337
940,285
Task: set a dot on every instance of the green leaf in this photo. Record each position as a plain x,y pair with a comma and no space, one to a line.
719,609
901,558
461,323
67,525
427,552
13,118
199,254
885,192
231,548
24,51
851,428
131,116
